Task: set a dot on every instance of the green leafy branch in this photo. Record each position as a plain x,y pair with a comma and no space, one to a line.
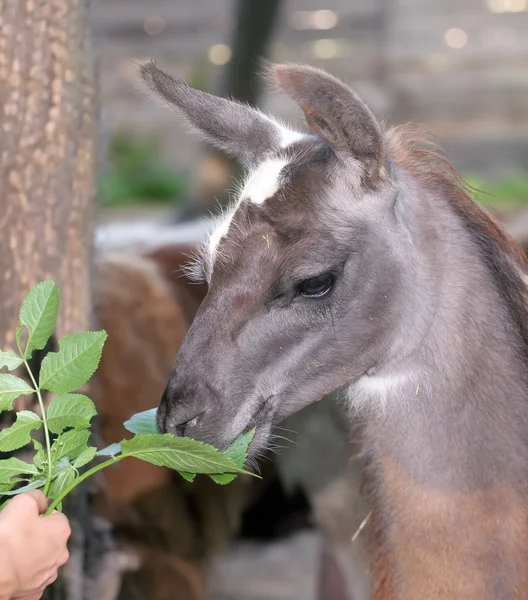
56,467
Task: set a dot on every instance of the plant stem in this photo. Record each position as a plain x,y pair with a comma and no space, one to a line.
45,423
80,479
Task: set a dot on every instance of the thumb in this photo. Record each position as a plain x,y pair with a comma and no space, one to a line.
33,501
39,499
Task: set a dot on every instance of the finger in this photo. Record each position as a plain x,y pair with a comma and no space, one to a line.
39,498
57,527
51,580
33,501
63,559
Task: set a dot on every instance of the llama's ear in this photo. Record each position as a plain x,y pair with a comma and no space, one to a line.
237,129
335,113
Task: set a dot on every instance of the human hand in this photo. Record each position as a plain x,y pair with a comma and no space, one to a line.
32,547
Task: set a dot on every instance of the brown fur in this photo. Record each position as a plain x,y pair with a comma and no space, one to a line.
165,576
146,310
414,150
145,329
170,261
448,537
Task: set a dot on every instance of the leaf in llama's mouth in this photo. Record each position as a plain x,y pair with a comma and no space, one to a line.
145,423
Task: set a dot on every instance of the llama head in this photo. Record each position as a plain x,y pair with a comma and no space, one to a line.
302,282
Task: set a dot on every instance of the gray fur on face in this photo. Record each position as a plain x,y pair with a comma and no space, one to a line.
304,230
402,313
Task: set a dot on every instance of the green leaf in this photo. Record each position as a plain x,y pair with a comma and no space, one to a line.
11,388
32,485
7,486
188,476
70,410
112,450
40,460
60,464
13,466
18,334
38,313
223,478
18,435
10,359
237,452
85,457
65,476
143,422
179,453
75,362
70,444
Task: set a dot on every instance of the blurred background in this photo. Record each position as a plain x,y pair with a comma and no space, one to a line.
140,532
459,66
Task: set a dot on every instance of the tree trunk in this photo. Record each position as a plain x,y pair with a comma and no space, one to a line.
46,160
255,22
47,180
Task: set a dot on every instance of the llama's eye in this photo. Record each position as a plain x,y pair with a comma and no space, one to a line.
316,287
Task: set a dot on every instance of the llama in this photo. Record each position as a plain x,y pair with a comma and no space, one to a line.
354,259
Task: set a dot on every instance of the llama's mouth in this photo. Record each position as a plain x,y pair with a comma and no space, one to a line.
262,420
260,441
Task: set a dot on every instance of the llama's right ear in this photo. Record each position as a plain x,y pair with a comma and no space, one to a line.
335,113
237,129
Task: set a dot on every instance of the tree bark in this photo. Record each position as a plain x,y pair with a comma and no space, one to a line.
46,158
47,182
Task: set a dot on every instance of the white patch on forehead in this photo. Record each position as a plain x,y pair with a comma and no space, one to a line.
289,137
218,233
260,185
264,182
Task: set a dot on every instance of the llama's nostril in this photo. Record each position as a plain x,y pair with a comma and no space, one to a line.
178,410
179,430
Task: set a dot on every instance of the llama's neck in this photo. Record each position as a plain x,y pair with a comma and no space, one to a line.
453,388
450,448
458,415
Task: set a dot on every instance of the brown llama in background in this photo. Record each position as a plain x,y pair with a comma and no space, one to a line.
170,525
167,527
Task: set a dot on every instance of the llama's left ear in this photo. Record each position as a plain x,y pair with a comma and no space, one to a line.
237,129
335,113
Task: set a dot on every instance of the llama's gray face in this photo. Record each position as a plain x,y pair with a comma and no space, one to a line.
302,283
